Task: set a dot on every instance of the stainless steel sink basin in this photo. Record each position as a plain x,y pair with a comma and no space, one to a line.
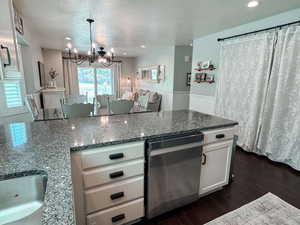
21,199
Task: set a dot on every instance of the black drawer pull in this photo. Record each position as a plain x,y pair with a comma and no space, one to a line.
116,156
8,56
219,136
116,174
117,218
117,195
204,159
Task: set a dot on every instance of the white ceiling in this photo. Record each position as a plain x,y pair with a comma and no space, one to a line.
127,24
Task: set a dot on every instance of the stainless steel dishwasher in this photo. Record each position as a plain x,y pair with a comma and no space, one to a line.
173,172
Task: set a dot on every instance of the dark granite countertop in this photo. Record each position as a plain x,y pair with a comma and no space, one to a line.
46,145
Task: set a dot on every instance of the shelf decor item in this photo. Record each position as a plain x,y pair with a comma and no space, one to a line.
204,78
205,64
203,75
52,82
211,67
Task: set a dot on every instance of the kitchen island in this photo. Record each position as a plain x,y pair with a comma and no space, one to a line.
47,146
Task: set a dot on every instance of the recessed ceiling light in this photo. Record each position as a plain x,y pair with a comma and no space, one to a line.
253,4
143,46
68,38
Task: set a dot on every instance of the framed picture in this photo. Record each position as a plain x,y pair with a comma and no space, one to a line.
205,64
188,79
162,72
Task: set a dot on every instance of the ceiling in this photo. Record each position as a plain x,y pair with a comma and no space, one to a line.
128,24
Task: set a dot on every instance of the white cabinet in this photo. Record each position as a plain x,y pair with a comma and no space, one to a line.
51,97
108,184
9,52
216,160
215,166
12,87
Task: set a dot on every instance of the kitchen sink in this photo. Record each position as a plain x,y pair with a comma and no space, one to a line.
22,198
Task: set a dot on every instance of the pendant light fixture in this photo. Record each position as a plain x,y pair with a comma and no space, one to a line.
94,55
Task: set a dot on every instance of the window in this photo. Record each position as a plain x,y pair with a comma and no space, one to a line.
104,81
95,81
86,79
13,96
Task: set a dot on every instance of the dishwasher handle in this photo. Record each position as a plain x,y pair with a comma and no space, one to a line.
177,148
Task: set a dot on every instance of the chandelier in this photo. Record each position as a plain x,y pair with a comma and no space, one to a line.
104,58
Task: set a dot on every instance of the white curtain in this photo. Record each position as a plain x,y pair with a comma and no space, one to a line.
70,77
244,71
117,74
279,137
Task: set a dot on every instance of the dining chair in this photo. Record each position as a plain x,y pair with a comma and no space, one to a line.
78,110
143,100
102,100
120,106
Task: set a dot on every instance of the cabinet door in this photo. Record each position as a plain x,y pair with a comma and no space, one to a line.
8,48
215,166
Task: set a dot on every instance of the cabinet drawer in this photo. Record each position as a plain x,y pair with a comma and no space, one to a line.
115,172
112,154
113,194
211,136
118,215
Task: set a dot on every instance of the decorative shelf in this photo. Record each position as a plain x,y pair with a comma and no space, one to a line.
209,82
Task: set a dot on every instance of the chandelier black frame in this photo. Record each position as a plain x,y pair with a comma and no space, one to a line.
104,58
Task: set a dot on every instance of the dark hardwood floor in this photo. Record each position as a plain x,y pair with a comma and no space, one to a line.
254,177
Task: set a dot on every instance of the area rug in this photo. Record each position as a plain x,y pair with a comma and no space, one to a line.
267,210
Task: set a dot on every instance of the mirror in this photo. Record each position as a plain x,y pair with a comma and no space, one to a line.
153,73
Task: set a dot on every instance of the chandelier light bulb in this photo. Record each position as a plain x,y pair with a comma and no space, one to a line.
69,45
108,54
94,45
89,52
75,51
112,50
253,4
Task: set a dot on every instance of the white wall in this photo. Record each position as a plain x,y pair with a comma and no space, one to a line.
53,59
202,97
31,53
154,57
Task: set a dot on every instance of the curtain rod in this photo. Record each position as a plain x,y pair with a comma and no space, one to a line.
257,31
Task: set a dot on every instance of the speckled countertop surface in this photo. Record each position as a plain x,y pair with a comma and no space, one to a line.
46,146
